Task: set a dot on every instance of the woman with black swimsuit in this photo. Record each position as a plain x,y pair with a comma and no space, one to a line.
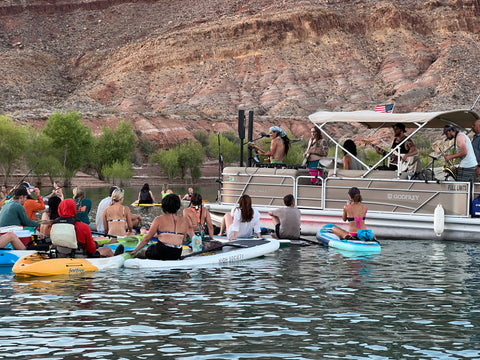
170,229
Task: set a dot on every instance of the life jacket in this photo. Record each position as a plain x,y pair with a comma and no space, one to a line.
63,234
476,207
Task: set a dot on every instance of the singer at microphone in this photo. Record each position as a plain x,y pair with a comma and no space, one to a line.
278,147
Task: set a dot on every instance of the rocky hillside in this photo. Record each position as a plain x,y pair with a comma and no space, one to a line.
172,67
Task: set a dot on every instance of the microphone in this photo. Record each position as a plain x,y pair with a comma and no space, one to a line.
262,134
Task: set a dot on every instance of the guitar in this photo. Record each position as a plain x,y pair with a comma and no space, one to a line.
267,158
393,156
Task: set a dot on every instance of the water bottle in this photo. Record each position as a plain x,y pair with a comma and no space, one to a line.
196,242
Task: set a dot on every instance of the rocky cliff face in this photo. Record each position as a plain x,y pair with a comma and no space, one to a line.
172,67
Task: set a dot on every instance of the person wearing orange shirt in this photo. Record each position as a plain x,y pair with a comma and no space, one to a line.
31,205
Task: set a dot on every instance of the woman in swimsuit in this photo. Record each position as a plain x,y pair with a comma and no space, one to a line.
198,216
117,219
170,229
354,212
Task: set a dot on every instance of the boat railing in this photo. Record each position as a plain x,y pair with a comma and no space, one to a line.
380,193
264,189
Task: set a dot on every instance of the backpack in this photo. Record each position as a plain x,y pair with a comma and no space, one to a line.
365,235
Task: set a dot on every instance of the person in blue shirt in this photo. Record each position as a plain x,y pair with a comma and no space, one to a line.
83,206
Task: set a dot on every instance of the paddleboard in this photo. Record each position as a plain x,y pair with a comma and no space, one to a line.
233,253
146,205
328,238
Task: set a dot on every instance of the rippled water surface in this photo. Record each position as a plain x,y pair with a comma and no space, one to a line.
415,300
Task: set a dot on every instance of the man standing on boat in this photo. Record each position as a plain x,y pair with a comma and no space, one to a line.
279,146
476,146
468,162
286,219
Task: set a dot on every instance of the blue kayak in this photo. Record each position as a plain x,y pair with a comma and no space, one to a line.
328,238
10,257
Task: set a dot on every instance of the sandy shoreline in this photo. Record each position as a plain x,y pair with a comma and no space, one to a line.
147,173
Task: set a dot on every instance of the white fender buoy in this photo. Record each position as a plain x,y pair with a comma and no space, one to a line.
439,220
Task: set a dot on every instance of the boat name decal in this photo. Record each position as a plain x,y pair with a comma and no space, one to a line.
403,197
73,271
457,187
231,259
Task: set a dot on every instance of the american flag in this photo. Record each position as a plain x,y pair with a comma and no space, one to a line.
387,108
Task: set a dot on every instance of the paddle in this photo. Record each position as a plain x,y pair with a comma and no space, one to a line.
103,234
300,238
214,248
316,242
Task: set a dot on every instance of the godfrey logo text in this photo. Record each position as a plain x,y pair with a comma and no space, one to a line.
403,197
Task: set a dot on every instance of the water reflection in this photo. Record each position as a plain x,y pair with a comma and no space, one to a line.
414,300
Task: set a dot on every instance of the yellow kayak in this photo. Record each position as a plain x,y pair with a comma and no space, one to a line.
40,264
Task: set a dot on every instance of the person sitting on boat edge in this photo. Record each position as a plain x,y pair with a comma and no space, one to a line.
287,220
13,212
244,222
197,216
355,213
278,147
72,237
466,154
170,229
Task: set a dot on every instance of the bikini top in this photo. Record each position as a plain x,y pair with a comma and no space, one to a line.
357,219
174,232
112,220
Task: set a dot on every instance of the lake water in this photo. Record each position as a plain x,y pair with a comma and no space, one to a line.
414,300
131,194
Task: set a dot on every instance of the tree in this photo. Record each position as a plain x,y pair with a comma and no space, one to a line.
168,161
41,157
118,171
71,139
190,157
180,160
12,146
229,151
113,146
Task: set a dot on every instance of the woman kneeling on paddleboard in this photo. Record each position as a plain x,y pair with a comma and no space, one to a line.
170,229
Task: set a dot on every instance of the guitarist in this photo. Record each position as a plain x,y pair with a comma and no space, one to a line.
407,150
317,148
466,154
279,146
